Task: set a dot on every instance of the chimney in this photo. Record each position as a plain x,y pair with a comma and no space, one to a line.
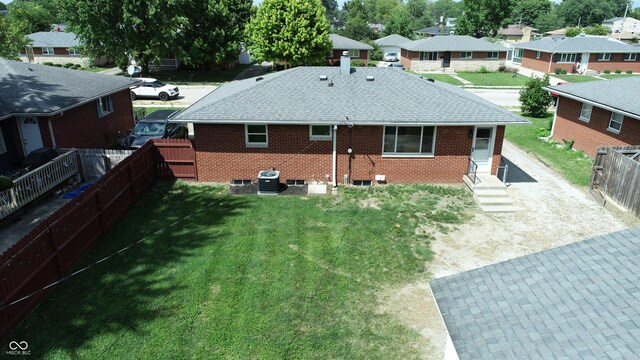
345,63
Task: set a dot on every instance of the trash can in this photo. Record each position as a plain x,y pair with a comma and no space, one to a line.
268,182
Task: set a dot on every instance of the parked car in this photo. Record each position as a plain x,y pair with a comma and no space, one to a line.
154,126
397,65
390,57
153,88
554,101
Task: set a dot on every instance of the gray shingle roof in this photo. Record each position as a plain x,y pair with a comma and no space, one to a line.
452,43
344,43
54,39
435,30
578,44
622,94
578,301
298,96
392,40
40,89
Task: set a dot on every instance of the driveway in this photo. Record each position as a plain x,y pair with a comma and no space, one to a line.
189,94
501,97
551,212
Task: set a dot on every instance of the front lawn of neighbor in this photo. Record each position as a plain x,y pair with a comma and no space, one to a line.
444,78
494,79
617,76
575,78
250,277
185,77
573,165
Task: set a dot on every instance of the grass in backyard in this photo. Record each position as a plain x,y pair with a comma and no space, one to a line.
494,79
183,77
439,77
573,165
575,78
617,76
250,277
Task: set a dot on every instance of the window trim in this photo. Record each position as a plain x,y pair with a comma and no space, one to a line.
602,57
627,57
426,55
582,110
109,102
255,144
614,130
492,57
466,52
538,55
410,155
362,182
53,52
354,51
320,137
3,145
572,58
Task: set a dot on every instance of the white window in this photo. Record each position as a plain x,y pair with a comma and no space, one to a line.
537,54
566,58
74,51
354,53
409,140
431,55
585,113
320,132
630,57
466,55
615,124
603,56
492,55
256,135
47,51
3,146
105,106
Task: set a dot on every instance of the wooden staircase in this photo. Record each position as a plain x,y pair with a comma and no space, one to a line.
490,193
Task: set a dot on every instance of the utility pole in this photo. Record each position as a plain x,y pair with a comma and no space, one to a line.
624,20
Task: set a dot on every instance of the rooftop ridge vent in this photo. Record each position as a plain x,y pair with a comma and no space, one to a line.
323,77
370,78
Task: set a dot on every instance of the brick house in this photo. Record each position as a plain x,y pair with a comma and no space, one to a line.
594,54
391,43
595,114
345,125
458,52
357,50
44,106
55,47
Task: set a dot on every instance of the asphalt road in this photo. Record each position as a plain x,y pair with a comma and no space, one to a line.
189,94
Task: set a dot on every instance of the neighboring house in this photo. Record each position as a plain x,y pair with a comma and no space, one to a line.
518,33
44,106
600,113
577,301
595,53
55,47
557,32
345,125
391,43
357,50
434,31
458,52
621,24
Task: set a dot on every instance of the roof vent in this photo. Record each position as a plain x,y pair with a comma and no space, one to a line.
323,77
370,78
430,80
259,78
583,34
330,83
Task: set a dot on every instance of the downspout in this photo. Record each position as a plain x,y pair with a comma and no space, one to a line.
555,115
335,157
53,138
550,60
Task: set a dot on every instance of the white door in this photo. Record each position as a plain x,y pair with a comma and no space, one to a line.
482,153
30,132
584,63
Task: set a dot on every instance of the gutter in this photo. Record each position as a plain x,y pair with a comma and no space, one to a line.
550,60
590,102
267,122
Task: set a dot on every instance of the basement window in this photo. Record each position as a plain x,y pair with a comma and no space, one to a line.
240,182
320,132
291,182
361,182
256,135
615,123
585,112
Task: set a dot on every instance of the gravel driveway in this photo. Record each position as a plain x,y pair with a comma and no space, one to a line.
551,212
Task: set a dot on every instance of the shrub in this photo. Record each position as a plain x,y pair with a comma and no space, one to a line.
607,72
618,71
483,70
57,65
568,144
69,65
372,65
376,53
5,183
47,63
357,63
502,68
558,71
77,66
564,72
534,99
629,72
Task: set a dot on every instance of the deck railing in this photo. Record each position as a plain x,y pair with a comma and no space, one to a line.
37,182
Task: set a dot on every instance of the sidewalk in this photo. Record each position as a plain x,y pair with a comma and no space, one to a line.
530,73
112,71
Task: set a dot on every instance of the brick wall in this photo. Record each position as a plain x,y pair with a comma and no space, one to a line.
529,61
616,62
589,136
411,60
221,155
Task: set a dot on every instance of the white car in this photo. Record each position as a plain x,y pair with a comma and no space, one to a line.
390,57
152,88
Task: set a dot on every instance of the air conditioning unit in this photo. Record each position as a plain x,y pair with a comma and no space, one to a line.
268,182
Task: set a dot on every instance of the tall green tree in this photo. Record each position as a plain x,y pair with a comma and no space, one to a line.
399,22
548,21
31,16
535,100
51,6
589,30
12,39
446,8
331,7
295,31
635,13
586,12
420,14
3,6
484,17
527,11
358,29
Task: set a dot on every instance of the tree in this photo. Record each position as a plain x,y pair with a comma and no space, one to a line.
51,6
446,8
585,12
399,22
31,16
295,31
3,6
535,101
635,13
331,7
420,14
483,17
358,29
549,21
527,11
590,30
12,39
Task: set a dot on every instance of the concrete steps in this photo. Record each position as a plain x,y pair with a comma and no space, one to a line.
490,193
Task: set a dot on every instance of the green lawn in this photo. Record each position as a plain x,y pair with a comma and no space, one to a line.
250,277
182,77
443,77
573,165
575,78
494,79
617,76
96,69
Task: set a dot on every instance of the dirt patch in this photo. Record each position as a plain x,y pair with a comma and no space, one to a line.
372,203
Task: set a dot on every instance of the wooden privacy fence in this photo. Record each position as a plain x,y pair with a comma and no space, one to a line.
616,173
46,253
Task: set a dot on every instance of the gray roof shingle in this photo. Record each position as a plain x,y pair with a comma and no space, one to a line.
452,43
40,89
344,43
392,40
621,94
54,39
298,96
578,44
576,301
